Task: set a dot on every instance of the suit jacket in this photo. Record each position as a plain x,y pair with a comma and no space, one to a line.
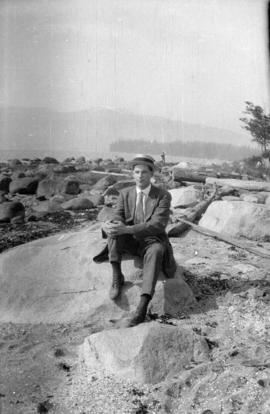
157,213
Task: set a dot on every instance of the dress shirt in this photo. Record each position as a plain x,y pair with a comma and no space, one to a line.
145,192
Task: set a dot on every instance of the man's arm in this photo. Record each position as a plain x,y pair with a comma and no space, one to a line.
156,225
117,219
158,221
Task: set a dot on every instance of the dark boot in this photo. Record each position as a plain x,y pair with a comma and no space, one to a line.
117,281
140,313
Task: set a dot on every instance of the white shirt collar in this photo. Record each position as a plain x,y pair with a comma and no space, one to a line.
145,191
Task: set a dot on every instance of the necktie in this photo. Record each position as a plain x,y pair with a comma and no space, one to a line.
139,214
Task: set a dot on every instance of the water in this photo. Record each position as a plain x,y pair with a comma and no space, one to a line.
61,155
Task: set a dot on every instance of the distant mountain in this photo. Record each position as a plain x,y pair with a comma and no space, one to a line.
96,129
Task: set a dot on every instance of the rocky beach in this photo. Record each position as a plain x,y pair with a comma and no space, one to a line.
204,348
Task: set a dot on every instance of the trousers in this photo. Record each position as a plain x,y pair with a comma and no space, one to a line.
149,249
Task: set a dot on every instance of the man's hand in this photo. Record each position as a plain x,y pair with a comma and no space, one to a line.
115,228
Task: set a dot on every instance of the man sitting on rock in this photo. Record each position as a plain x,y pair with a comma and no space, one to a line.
138,228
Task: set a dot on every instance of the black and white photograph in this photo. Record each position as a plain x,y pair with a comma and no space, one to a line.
134,207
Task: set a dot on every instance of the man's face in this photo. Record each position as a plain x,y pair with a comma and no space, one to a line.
142,176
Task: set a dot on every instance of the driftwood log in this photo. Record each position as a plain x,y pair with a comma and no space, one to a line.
191,214
240,184
227,239
180,175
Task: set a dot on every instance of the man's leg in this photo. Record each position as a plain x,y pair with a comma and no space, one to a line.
117,246
152,265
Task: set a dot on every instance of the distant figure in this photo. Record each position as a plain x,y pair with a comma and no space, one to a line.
258,164
162,156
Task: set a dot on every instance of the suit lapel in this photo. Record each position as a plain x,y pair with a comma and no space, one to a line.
132,201
151,202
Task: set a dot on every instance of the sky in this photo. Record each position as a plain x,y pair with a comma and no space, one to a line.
192,60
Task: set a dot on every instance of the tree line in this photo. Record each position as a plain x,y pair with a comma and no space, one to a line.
194,149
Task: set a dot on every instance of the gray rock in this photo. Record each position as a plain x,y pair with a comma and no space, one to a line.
106,213
47,188
238,218
70,186
96,199
147,353
78,203
27,185
50,160
4,183
184,197
104,183
11,209
64,169
36,277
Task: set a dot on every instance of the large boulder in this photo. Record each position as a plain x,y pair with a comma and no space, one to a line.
96,199
104,183
238,218
184,197
50,160
147,353
4,183
47,188
70,186
55,279
27,185
78,203
64,169
11,209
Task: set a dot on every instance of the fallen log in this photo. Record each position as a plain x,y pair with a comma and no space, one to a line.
227,239
240,184
180,175
191,214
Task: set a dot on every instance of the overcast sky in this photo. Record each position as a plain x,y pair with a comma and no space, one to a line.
193,60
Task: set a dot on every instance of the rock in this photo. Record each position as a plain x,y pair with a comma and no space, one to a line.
172,297
17,174
102,184
98,168
4,183
110,200
249,198
70,186
96,199
147,353
2,197
111,191
267,201
64,169
68,160
27,185
238,218
83,167
47,206
106,213
50,160
36,278
85,187
184,197
230,198
80,160
47,188
11,209
14,163
78,203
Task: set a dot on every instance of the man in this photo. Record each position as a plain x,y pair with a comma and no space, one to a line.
138,227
